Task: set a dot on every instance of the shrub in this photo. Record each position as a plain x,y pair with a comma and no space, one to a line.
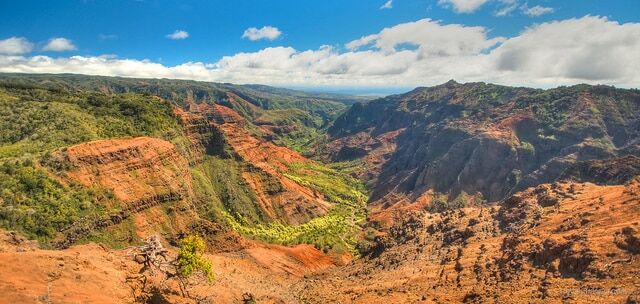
439,203
190,258
528,147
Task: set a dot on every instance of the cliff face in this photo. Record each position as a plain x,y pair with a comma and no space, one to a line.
144,174
221,171
136,170
481,138
262,163
613,171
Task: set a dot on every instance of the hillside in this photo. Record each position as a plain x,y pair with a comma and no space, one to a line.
556,243
481,138
288,117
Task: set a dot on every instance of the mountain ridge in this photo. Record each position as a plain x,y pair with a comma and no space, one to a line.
533,127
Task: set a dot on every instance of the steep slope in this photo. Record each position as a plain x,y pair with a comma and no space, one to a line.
135,169
38,197
294,199
262,163
270,192
145,175
464,207
556,243
482,138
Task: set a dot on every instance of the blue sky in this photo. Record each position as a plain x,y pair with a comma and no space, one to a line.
131,38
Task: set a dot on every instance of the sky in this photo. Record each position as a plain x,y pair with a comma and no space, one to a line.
329,44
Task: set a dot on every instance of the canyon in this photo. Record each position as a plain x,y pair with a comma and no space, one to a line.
454,193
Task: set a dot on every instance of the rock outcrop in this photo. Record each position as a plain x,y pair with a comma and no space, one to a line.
142,173
579,249
140,169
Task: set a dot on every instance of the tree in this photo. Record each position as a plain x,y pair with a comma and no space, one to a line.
190,258
157,266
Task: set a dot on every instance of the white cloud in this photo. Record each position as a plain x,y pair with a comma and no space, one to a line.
266,32
387,5
430,38
463,6
508,6
178,35
59,45
590,49
536,10
425,52
15,45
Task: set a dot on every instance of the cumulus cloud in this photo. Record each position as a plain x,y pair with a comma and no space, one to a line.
431,38
587,49
463,6
387,5
59,45
502,7
536,10
15,45
178,35
266,32
425,52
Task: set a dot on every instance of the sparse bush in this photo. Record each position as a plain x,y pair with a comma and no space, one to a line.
439,203
527,147
190,258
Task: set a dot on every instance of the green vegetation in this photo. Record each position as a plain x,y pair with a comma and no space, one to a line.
338,188
118,236
544,136
336,230
38,206
191,260
294,128
603,144
298,115
515,177
38,120
440,203
219,186
527,147
44,114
